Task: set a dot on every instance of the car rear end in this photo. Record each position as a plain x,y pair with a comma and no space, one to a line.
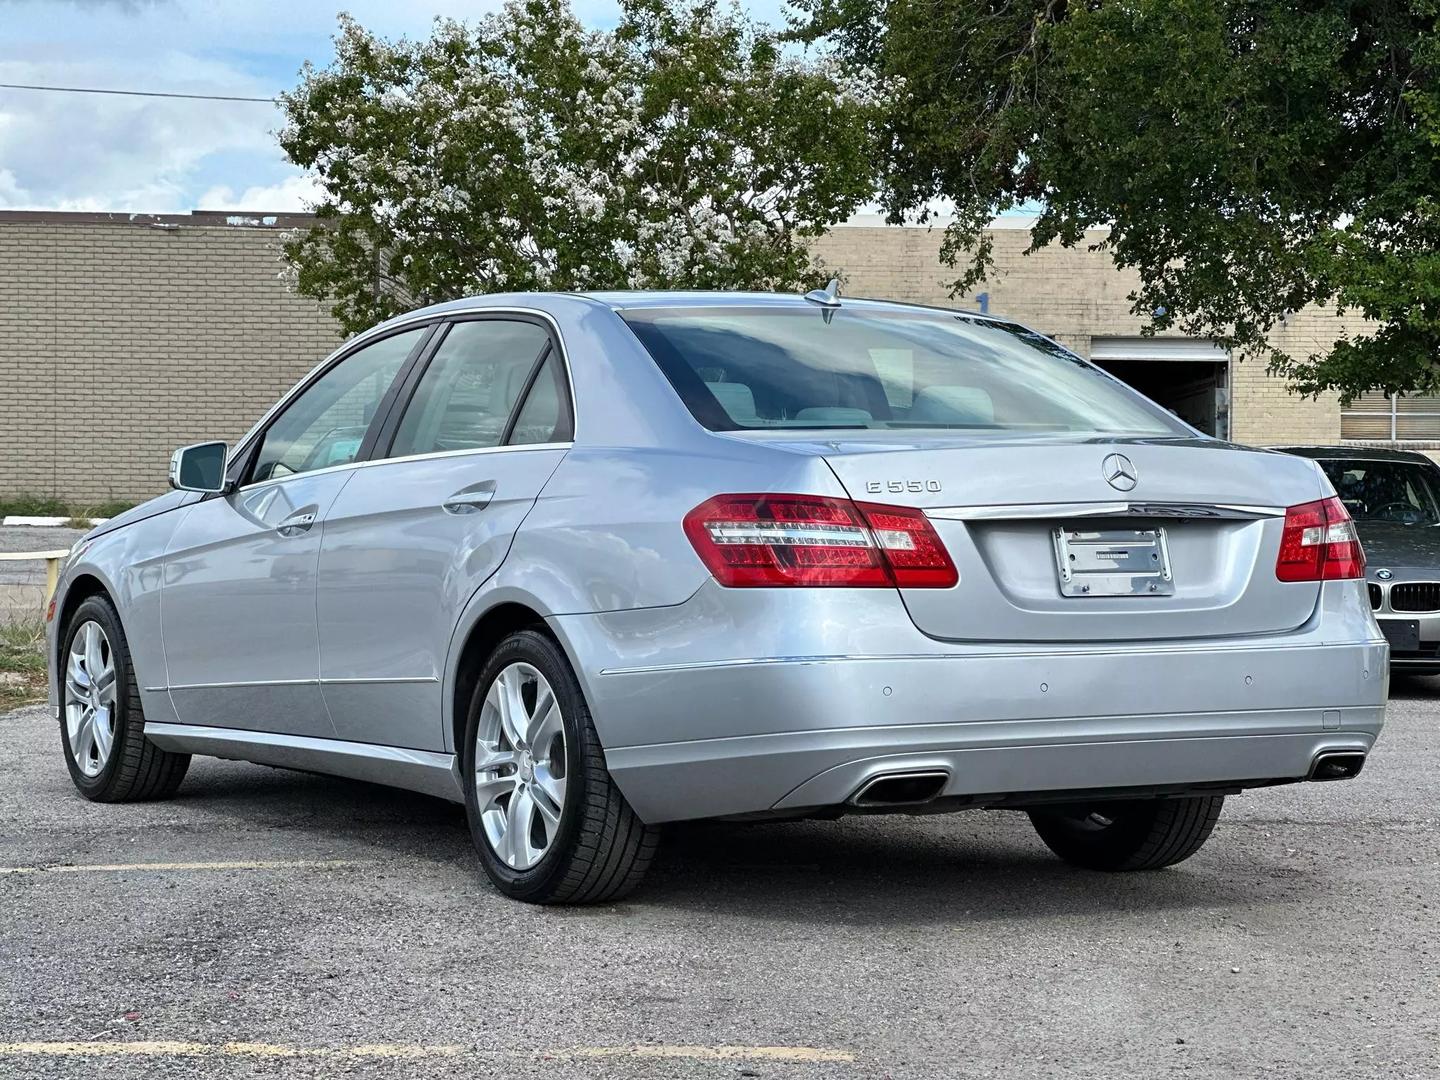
1005,581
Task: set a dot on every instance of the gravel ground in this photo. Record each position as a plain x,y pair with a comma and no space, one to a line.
351,925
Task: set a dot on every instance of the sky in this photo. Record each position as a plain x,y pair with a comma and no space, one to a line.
61,151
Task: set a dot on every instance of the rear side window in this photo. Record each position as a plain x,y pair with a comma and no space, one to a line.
471,387
545,416
746,368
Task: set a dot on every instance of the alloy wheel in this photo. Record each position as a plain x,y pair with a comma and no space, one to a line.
520,766
90,698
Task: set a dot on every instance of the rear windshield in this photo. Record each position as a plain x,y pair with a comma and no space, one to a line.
752,368
1396,491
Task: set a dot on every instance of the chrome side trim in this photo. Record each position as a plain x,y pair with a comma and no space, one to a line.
369,681
290,682
415,770
350,466
1026,511
237,684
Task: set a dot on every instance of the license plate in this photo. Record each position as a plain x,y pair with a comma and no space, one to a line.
1403,634
1113,562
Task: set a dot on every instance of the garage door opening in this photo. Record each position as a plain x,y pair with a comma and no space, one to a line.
1190,378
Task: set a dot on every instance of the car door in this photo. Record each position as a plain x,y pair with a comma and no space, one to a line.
238,601
415,532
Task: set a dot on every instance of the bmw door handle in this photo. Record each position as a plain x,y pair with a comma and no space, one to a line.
296,523
470,500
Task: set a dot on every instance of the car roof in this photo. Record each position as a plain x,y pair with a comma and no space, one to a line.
620,300
1355,453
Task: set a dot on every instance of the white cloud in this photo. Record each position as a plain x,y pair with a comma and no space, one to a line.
294,193
94,152
65,151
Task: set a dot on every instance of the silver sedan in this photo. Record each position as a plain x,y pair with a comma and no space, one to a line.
593,563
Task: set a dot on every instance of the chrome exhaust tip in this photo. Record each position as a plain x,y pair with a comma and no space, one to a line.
901,788
1337,765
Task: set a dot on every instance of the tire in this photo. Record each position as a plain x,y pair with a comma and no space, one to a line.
583,845
131,768
1141,834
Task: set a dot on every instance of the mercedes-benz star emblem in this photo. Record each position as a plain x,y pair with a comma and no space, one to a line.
1119,473
1384,575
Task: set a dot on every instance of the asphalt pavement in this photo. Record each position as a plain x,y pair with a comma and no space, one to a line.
268,923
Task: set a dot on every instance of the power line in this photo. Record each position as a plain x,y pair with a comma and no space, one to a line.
133,93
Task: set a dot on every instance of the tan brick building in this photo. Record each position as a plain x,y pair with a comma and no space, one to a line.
124,336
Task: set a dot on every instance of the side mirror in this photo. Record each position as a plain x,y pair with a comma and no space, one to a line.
199,468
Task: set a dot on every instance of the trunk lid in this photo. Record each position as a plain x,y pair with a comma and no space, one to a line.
1184,547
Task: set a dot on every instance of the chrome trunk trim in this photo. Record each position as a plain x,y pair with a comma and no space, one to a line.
1047,511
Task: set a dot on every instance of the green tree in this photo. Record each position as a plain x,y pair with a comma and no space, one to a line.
1250,157
685,148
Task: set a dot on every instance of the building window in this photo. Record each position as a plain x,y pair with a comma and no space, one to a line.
1377,417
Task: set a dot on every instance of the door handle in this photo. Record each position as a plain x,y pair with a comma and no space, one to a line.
470,500
296,524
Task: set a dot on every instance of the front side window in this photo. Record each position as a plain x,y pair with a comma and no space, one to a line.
1400,492
466,396
755,368
326,424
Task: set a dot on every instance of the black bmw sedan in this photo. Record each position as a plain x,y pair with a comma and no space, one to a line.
1394,497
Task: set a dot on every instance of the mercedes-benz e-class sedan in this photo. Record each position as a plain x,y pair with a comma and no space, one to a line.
1393,496
593,563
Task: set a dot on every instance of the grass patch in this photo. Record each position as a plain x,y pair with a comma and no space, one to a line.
76,512
22,663
33,506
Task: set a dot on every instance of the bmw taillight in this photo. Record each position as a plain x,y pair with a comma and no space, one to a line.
810,540
1319,544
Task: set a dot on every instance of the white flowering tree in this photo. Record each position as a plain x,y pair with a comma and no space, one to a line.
685,148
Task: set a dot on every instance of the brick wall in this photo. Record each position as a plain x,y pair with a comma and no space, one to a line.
120,341
123,337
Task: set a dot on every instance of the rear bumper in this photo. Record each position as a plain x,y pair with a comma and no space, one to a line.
693,738
818,769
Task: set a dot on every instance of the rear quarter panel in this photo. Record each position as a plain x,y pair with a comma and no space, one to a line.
606,535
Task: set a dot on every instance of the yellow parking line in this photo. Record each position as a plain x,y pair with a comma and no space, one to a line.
172,867
108,1049
790,1054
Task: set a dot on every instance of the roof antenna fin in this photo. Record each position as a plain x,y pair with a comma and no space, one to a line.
828,297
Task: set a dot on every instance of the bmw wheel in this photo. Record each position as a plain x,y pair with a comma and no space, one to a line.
102,722
546,818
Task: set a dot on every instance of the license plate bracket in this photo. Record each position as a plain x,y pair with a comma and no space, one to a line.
1113,562
1403,634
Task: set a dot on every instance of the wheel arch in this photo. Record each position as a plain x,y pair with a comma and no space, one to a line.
488,623
78,589
83,586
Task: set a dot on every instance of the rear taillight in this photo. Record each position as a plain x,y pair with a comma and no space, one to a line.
808,540
1319,544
